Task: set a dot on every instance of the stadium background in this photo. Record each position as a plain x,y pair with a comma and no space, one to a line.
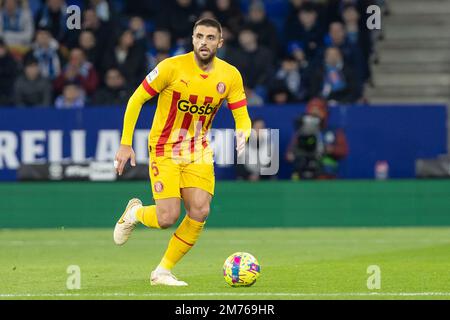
383,122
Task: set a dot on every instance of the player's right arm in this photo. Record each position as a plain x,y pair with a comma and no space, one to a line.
156,81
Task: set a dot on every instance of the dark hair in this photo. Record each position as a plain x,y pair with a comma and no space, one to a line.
29,61
308,7
73,82
209,23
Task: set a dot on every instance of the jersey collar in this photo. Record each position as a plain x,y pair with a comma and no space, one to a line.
202,73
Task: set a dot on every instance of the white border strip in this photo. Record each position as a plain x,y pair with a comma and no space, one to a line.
213,294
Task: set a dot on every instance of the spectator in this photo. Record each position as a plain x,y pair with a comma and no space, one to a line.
359,38
294,7
8,73
253,61
305,33
137,26
259,23
316,148
88,44
32,89
351,52
161,48
294,76
179,17
228,13
128,58
53,17
102,8
72,96
229,44
92,22
253,99
334,80
279,93
46,51
115,91
16,23
104,32
80,70
252,167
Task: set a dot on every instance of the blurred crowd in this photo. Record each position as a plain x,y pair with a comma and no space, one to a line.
288,51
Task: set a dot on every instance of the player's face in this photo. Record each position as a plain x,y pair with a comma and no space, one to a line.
206,40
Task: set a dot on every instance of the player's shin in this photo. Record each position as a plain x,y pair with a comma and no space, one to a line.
147,216
181,242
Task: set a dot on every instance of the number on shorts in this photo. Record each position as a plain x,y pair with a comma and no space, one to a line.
155,169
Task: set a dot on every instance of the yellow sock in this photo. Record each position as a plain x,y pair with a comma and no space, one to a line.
181,242
147,216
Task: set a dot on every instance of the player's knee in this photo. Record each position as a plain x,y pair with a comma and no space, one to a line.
199,213
168,217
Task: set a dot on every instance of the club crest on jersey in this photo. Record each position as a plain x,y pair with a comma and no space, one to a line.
159,187
221,87
152,75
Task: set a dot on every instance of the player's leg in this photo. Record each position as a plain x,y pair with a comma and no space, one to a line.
165,182
163,214
197,188
197,202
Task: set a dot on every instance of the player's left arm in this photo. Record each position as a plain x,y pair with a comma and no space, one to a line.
237,103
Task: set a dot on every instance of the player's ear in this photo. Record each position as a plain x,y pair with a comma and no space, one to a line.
220,43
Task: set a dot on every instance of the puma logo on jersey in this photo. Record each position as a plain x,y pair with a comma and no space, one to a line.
185,82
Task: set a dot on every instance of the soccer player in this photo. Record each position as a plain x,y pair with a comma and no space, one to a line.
191,89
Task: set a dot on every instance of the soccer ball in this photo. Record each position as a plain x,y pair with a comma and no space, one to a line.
241,269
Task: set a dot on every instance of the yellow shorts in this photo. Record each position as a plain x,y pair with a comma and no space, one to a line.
168,176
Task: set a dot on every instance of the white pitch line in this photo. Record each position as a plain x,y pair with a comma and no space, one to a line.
212,294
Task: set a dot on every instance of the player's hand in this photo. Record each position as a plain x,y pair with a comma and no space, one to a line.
124,154
240,142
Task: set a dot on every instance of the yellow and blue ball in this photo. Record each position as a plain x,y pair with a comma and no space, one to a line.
241,269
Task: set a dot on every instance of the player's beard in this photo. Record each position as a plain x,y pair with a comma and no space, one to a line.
205,61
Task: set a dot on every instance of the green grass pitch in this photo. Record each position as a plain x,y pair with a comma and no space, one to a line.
296,264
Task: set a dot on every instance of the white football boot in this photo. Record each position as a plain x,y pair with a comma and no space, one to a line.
127,222
165,278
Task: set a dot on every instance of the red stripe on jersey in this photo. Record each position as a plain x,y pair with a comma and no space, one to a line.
203,118
193,99
208,126
198,129
208,100
183,133
237,104
213,115
184,130
149,89
168,125
204,143
204,76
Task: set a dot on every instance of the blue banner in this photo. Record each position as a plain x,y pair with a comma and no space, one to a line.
395,134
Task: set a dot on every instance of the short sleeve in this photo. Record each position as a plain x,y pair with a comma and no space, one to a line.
236,96
159,78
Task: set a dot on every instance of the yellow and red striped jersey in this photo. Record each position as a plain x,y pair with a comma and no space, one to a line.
189,98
